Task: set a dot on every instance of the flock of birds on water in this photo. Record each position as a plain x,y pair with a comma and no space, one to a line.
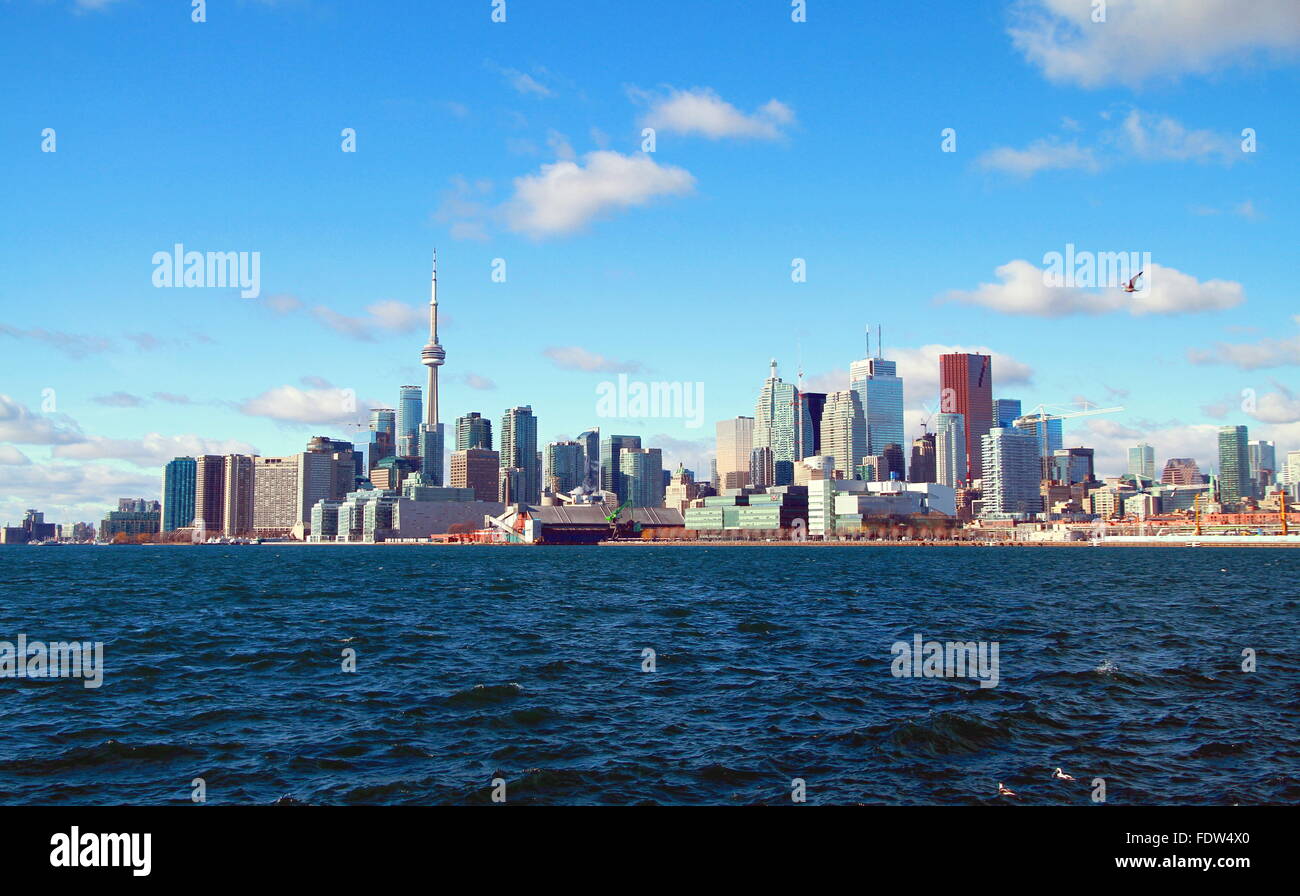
1058,775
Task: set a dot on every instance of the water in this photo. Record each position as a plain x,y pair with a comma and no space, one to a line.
773,663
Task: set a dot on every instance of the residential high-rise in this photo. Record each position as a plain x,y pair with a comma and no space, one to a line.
1234,465
1005,411
950,449
564,465
431,437
479,469
881,392
1012,471
209,494
611,466
1181,471
178,493
642,476
275,495
473,431
966,388
237,495
775,423
519,451
410,404
844,431
922,466
589,439
1142,461
735,443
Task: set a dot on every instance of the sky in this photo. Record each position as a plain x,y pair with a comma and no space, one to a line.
674,192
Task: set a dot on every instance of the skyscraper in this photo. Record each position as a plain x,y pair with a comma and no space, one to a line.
816,403
565,464
1234,465
479,469
880,390
275,495
642,476
473,431
950,449
844,430
383,436
776,425
519,451
589,439
178,494
762,468
735,442
237,495
1181,471
922,467
1005,411
1072,466
1142,461
611,467
409,405
966,388
431,438
1012,470
1263,465
209,491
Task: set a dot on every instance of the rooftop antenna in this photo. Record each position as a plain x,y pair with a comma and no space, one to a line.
880,341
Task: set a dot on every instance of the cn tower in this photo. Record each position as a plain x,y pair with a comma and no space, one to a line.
432,356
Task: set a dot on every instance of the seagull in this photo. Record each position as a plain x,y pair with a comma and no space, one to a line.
1062,776
1130,286
1003,791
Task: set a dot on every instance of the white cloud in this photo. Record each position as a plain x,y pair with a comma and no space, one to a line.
389,315
1023,289
525,83
702,112
475,381
71,492
1250,355
11,456
567,195
573,357
20,425
1145,40
71,344
119,400
1141,136
152,450
1041,155
1161,138
319,403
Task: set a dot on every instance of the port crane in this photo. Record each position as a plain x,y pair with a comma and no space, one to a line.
1041,415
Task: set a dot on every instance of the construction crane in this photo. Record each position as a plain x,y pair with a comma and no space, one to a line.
1282,502
1041,415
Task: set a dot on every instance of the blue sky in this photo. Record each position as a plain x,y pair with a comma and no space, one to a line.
522,141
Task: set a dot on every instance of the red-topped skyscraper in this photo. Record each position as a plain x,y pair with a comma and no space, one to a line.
966,388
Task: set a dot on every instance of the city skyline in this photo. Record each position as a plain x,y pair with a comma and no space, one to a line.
110,378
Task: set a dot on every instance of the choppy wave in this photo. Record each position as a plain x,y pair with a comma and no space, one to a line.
769,665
